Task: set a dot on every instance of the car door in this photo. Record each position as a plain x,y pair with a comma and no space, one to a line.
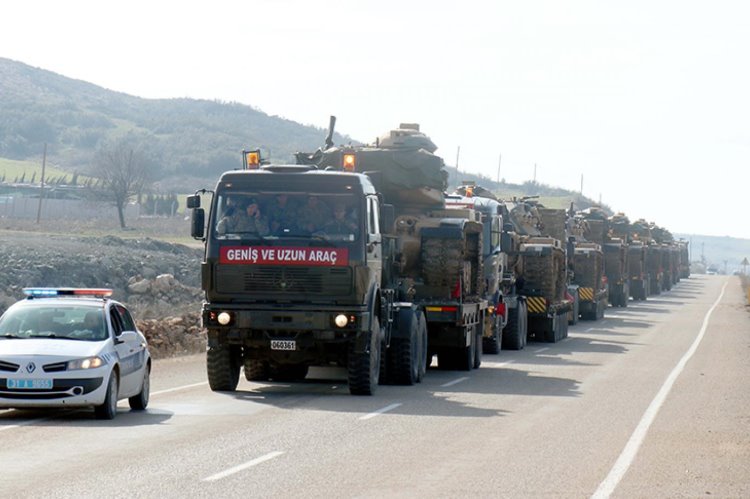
127,348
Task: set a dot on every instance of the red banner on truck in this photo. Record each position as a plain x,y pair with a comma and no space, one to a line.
279,255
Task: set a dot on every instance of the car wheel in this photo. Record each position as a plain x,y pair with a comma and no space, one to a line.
140,401
108,409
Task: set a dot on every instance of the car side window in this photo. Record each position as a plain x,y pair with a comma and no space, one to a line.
128,323
114,318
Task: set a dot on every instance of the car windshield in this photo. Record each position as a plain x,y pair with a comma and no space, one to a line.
72,322
265,216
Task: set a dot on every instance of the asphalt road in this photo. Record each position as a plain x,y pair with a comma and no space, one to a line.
652,401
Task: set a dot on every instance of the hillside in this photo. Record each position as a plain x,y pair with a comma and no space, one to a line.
195,138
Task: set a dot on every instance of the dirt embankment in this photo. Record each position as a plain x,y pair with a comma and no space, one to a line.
159,281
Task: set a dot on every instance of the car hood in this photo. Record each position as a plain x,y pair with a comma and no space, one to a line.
49,347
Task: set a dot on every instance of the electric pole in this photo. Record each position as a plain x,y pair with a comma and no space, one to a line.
499,160
41,190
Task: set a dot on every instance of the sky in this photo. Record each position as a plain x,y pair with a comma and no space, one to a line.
645,104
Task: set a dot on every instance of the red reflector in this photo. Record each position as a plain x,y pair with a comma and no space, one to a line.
456,293
500,309
449,309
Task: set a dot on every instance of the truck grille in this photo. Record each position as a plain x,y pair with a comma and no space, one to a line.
286,281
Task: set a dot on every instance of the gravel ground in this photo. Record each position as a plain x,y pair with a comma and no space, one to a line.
130,262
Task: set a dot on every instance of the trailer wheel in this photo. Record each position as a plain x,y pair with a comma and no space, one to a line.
256,370
223,365
493,343
424,357
477,348
466,356
364,368
512,334
405,355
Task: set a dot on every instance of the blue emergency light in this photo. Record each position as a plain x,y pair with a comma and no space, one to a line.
48,292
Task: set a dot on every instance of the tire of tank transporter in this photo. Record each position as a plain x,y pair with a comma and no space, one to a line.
223,365
403,364
477,348
256,370
363,369
511,337
493,344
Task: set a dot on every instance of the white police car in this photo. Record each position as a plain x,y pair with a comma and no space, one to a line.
72,347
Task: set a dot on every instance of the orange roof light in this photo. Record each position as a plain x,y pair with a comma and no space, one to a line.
350,162
252,159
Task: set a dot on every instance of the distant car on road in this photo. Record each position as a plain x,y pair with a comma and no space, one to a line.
72,347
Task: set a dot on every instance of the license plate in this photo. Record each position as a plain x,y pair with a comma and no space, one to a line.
283,345
29,384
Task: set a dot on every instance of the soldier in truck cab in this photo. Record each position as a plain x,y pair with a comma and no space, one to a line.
341,224
283,215
313,215
243,218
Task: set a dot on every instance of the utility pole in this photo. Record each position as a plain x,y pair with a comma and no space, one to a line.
499,160
458,153
535,173
581,184
41,190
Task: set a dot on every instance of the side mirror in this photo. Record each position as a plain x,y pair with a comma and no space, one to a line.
197,223
126,337
194,201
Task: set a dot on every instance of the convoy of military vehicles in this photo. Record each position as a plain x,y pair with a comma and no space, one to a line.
356,256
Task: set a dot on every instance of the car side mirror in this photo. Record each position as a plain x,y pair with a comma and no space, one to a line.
126,337
197,223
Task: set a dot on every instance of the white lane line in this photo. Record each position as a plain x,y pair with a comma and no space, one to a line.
25,423
178,388
541,350
628,454
590,329
242,467
379,411
496,364
454,382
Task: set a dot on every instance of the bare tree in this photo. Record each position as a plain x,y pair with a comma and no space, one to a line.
124,169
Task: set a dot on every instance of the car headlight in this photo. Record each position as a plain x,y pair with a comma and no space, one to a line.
87,363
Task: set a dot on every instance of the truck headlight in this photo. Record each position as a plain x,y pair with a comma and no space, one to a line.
224,318
341,320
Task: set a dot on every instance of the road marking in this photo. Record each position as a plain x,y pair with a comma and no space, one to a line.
26,423
628,454
590,329
541,350
454,382
379,411
242,467
177,388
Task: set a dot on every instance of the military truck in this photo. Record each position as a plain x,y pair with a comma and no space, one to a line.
363,285
505,322
589,263
539,261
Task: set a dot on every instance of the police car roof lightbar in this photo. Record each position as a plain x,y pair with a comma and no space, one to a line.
48,292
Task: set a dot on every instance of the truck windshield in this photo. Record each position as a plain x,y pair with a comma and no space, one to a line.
268,216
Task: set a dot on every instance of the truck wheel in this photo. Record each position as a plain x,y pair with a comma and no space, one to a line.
289,372
256,370
466,356
512,339
477,349
223,365
492,344
424,357
364,368
405,356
